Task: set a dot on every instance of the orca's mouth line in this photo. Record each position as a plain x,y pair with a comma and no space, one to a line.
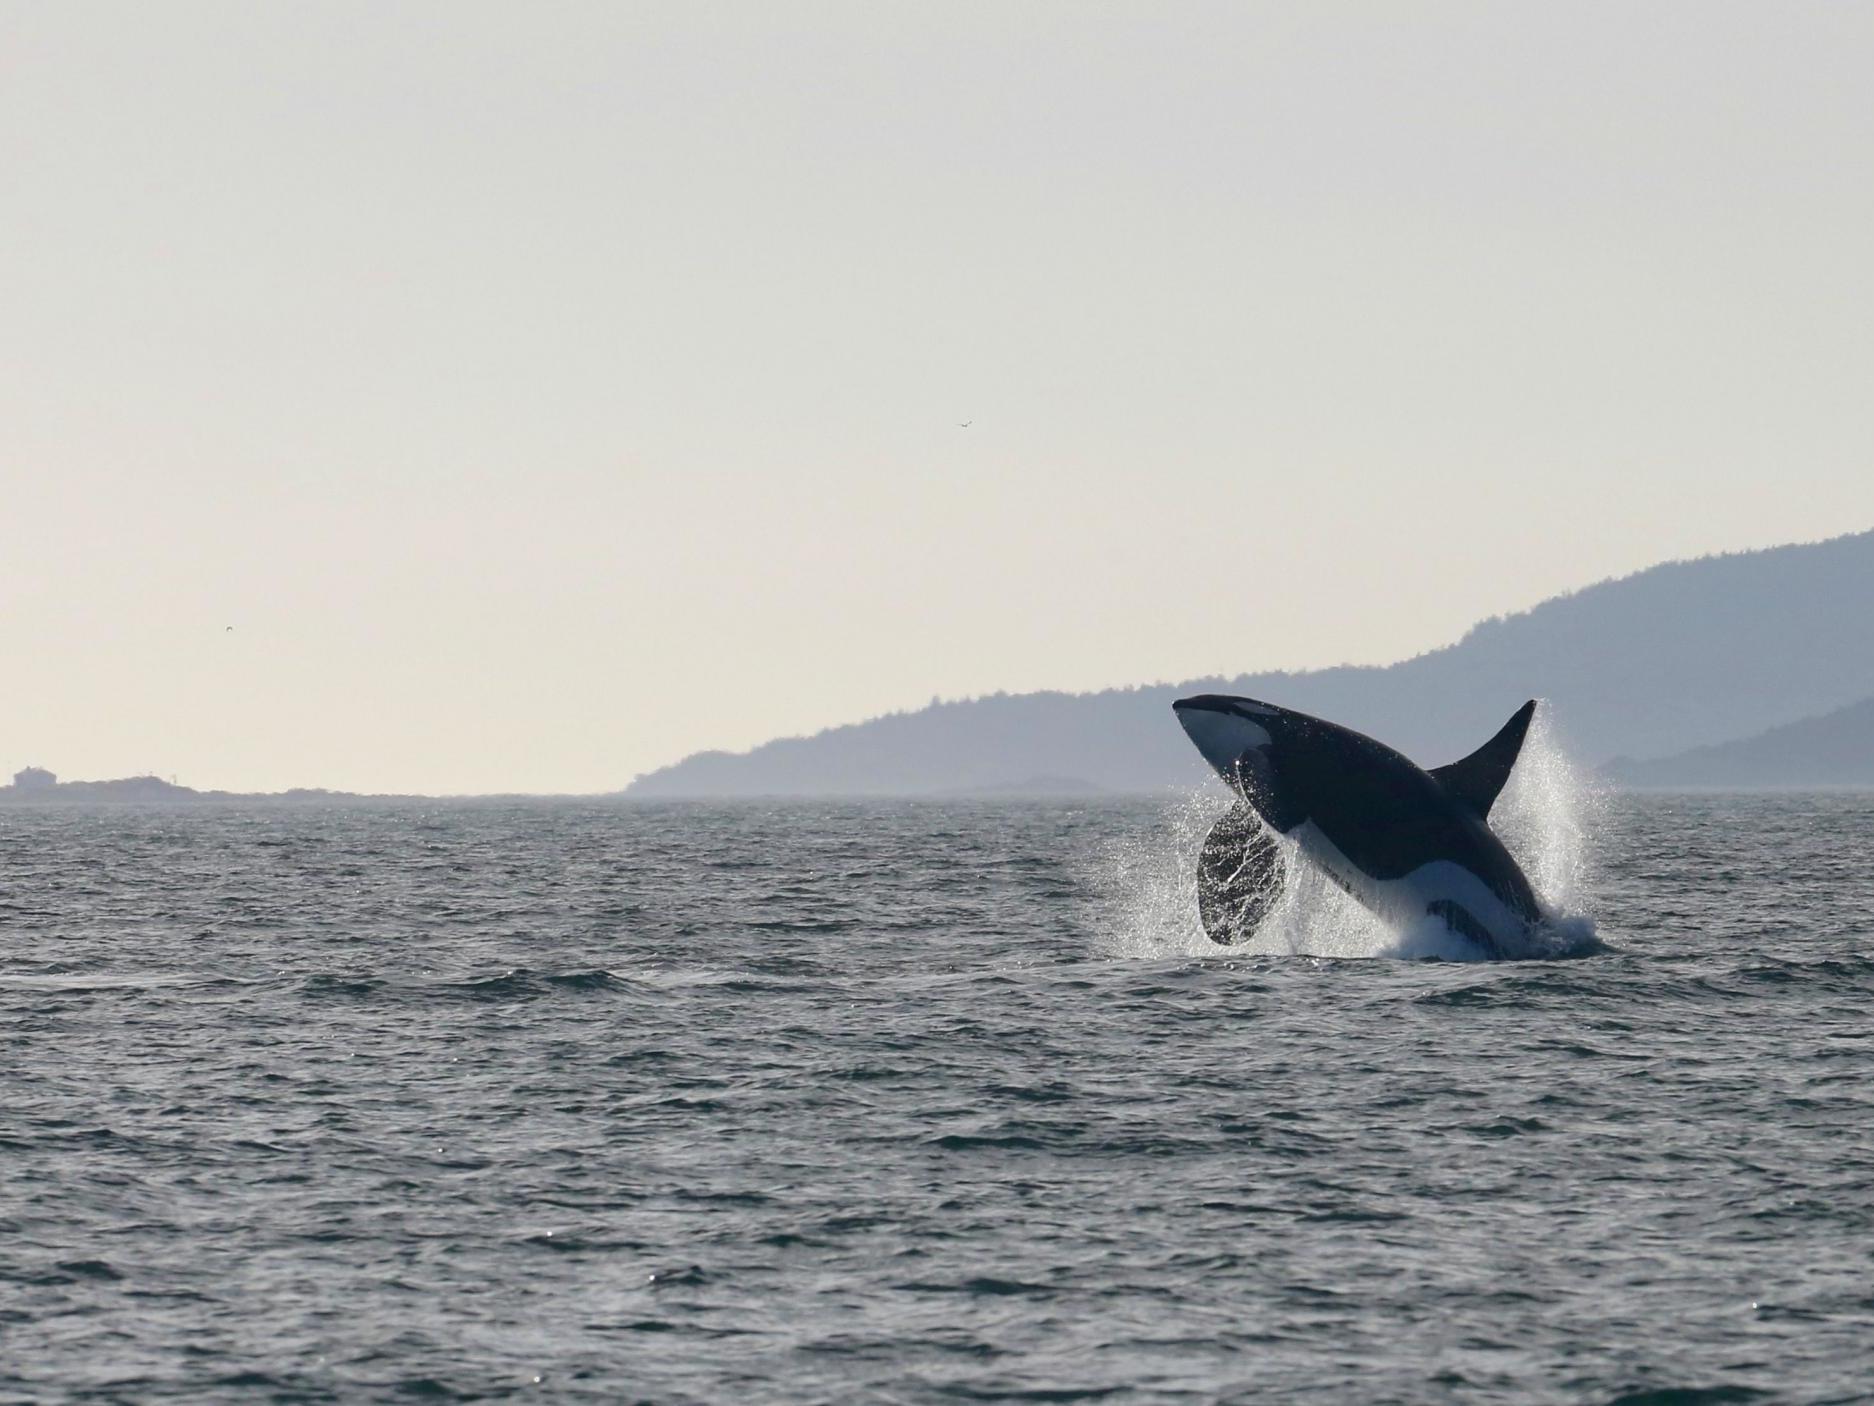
1229,707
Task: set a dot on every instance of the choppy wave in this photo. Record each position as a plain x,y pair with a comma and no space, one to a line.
784,1103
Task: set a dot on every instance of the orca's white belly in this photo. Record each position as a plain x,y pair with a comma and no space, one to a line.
1439,889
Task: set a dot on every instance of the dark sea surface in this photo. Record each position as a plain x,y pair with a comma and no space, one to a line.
917,1102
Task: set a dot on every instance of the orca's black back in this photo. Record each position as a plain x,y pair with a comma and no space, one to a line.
1381,810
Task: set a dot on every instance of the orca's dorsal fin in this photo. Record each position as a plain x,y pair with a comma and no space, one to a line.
1479,777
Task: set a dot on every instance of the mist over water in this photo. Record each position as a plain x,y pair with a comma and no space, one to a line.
1546,816
815,1101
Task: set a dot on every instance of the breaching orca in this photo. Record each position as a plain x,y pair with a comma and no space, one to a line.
1410,845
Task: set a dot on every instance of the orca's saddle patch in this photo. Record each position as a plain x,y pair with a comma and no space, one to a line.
1239,877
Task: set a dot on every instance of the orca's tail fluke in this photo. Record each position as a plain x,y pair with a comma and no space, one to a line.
1480,777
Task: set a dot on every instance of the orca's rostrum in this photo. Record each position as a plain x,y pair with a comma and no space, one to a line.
1412,846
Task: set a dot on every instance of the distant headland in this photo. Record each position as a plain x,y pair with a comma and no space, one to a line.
36,785
1749,669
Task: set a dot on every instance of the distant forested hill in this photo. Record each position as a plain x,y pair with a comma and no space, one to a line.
1682,655
1836,749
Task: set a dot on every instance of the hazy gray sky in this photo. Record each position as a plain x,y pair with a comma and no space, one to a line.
544,391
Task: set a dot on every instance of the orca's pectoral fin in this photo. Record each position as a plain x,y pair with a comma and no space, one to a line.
1239,877
1479,778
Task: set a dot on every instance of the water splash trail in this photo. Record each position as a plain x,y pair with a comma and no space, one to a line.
1547,817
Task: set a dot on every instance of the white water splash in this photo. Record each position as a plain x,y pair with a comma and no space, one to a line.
1545,817
1150,882
1154,882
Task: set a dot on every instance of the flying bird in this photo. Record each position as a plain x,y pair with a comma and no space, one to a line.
964,425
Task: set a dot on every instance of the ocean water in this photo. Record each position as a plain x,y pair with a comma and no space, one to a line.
918,1102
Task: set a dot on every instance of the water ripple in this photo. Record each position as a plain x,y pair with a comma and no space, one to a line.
813,1102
